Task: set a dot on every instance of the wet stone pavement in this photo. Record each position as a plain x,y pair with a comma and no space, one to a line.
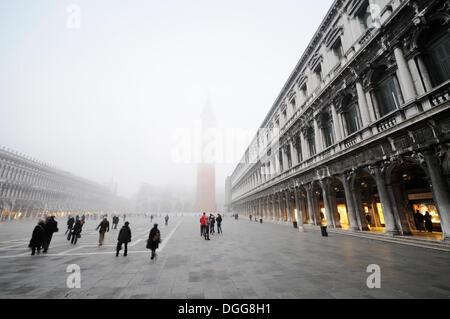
250,260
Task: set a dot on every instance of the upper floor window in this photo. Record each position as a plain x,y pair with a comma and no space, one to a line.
387,95
350,113
386,90
437,57
293,103
303,92
338,50
284,113
318,72
327,130
365,16
311,143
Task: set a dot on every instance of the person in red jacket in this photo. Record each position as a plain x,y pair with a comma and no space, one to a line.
202,224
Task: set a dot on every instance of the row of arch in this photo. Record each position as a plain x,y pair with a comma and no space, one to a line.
376,198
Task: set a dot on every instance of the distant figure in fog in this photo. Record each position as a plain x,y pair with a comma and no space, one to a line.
103,227
212,221
124,216
37,238
250,216
115,222
76,232
70,223
51,226
202,224
206,230
151,218
219,223
123,238
236,216
154,238
167,219
83,219
428,222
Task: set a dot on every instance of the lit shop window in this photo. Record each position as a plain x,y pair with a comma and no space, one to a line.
423,208
380,213
342,210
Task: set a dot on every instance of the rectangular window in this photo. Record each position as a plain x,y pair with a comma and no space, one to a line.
387,96
311,144
439,60
351,118
328,134
338,50
318,72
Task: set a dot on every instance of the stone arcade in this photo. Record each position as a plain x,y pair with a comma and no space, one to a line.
359,136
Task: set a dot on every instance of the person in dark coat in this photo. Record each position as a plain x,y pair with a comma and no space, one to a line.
206,232
51,226
123,238
219,224
167,219
103,227
212,221
37,238
428,222
154,238
70,223
76,232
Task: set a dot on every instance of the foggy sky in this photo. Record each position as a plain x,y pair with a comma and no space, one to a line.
103,101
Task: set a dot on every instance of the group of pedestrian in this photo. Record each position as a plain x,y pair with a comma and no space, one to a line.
74,228
423,222
207,225
42,235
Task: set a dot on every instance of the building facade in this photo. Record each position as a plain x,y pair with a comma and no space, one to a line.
359,136
29,188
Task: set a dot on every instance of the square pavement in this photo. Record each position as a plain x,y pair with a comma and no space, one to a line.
250,260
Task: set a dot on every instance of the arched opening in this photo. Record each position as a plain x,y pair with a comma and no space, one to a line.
339,204
370,212
434,43
414,199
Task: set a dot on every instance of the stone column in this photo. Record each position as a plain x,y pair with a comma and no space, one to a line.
363,107
386,205
311,207
404,75
440,192
274,207
351,212
325,185
288,205
280,206
336,123
299,210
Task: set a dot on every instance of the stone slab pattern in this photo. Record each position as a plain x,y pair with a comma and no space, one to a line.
250,260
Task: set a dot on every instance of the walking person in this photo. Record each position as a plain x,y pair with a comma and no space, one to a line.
37,238
123,238
206,230
428,222
70,223
51,226
103,228
124,216
76,232
212,221
154,238
167,219
219,224
202,224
